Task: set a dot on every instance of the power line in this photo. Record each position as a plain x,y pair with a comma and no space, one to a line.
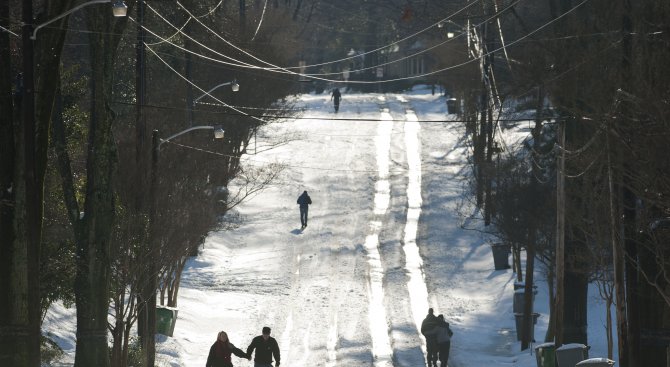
319,118
201,89
352,57
248,159
279,69
394,79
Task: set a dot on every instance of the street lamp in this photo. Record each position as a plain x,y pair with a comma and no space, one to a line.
218,134
156,146
450,33
233,86
119,9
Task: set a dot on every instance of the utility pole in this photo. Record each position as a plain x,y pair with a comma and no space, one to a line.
488,72
28,298
146,318
618,262
560,235
629,201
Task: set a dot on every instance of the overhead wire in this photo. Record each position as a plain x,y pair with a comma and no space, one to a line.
260,21
9,31
287,69
188,20
352,57
249,159
400,78
203,90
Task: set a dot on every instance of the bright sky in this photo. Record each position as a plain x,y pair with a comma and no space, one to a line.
384,242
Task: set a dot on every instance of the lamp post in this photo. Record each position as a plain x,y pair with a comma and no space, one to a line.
149,293
233,86
450,32
156,141
119,9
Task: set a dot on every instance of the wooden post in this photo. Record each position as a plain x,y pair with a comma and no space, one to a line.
560,236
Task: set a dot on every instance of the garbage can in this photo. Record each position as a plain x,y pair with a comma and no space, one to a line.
596,362
569,355
453,106
522,285
545,354
518,318
166,318
519,300
501,253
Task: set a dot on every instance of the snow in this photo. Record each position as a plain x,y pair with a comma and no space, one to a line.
386,239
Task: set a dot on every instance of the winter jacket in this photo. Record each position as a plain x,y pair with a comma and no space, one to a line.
219,354
304,200
265,350
428,324
443,333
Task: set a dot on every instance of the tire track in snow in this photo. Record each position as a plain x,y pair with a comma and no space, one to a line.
381,347
416,284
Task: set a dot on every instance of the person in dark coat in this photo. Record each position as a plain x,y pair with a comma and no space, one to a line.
336,96
266,347
219,353
428,329
443,335
304,201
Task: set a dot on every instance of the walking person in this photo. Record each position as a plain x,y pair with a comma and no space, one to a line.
443,334
429,331
221,350
266,348
336,96
304,201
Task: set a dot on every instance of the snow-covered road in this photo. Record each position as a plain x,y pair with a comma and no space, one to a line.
354,286
386,240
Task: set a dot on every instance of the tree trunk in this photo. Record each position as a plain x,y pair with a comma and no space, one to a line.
610,336
9,351
576,293
618,260
528,291
551,328
93,242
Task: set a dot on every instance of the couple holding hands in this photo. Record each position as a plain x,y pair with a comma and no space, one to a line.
266,347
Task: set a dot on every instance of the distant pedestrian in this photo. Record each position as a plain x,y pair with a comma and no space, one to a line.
266,347
304,201
428,329
335,97
443,334
219,353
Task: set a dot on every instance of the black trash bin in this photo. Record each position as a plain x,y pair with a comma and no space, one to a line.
522,285
501,253
518,317
518,302
453,106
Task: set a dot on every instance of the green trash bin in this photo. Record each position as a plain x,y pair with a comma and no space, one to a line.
596,362
166,318
545,354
